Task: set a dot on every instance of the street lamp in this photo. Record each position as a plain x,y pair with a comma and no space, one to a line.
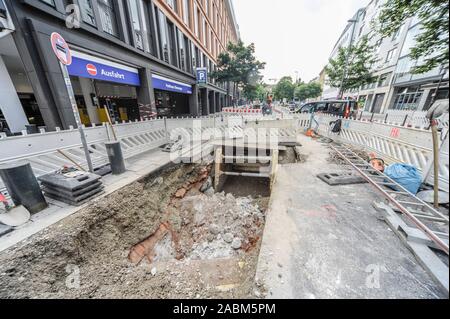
344,75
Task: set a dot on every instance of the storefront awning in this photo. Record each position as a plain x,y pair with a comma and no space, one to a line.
87,66
165,84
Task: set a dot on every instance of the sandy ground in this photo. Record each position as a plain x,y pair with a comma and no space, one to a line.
166,236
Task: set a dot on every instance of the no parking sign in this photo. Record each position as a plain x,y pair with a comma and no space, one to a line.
62,52
61,48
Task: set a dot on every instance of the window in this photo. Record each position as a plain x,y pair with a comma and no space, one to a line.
186,12
87,12
196,21
198,59
49,2
397,33
410,40
163,36
139,25
384,79
108,17
183,51
172,4
378,45
207,7
206,35
2,12
172,43
390,55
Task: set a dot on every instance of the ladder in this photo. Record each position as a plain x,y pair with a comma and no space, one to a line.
425,218
263,171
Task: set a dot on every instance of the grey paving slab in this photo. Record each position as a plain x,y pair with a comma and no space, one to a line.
324,241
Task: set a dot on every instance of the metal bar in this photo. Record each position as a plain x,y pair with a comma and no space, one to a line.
436,239
410,203
246,174
430,218
386,183
262,158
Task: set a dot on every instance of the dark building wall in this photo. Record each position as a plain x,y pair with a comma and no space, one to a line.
36,21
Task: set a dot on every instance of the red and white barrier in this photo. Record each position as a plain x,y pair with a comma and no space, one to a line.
244,110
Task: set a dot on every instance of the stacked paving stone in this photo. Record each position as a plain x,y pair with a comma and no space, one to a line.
73,188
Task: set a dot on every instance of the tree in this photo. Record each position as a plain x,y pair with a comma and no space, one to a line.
354,73
308,91
257,92
431,47
284,88
239,65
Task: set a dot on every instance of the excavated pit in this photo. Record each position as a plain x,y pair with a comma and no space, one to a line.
169,235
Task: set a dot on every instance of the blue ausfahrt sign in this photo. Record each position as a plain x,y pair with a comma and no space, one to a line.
95,70
161,83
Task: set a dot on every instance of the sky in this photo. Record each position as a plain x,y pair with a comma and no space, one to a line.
294,35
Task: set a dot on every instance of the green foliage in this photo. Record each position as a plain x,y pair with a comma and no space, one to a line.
308,91
239,65
284,89
256,92
360,58
431,46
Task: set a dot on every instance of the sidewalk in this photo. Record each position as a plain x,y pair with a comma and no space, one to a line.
328,242
137,167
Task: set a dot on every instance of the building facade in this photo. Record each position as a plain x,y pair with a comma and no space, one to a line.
131,58
395,87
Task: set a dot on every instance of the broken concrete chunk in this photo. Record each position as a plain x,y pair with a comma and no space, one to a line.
156,182
209,192
153,271
210,238
181,193
199,219
228,238
214,229
206,185
236,244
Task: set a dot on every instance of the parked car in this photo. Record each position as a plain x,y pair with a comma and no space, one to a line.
292,107
345,108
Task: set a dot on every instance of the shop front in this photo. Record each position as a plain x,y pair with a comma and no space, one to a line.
102,86
171,96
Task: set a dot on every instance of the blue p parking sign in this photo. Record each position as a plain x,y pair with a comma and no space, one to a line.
202,75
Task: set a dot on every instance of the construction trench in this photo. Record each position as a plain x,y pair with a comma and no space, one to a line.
225,229
168,235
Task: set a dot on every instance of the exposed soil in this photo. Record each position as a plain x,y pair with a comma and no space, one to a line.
166,236
291,155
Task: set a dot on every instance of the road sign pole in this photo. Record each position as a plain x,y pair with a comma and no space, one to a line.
73,103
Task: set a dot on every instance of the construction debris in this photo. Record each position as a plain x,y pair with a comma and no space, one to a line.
161,237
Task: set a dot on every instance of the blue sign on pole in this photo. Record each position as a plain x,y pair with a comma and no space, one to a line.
165,84
202,75
98,71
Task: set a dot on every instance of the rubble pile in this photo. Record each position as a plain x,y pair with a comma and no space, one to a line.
222,224
202,225
167,235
